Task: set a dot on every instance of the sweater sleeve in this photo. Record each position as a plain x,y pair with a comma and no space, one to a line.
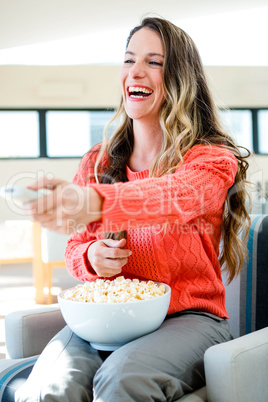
198,187
76,250
76,255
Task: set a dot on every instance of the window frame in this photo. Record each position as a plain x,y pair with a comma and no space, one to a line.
254,125
257,110
43,135
22,110
43,132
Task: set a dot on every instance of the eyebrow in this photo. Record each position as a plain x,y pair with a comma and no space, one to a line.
149,54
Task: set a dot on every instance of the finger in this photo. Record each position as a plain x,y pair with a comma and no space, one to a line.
114,243
105,270
64,228
115,264
43,218
51,226
40,183
101,261
116,253
45,204
44,182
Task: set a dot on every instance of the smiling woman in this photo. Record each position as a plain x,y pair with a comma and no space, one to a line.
154,202
142,76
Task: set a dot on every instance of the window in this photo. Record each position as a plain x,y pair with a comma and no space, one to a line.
19,134
98,123
263,131
238,124
72,133
67,133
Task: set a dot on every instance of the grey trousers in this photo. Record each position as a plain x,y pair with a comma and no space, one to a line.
161,366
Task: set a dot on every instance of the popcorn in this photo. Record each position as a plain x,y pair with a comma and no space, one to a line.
120,290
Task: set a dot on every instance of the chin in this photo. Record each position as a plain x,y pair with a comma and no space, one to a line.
136,114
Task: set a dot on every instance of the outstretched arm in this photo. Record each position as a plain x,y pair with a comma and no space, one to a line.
67,208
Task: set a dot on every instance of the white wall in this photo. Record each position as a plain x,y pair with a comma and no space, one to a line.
59,86
98,87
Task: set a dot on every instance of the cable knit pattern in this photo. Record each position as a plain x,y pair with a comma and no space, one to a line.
173,226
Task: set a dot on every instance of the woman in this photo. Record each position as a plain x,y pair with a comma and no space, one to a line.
178,186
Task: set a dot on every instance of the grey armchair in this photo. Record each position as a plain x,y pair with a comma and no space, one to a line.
235,371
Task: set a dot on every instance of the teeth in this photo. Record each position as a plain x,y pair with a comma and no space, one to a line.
140,89
137,96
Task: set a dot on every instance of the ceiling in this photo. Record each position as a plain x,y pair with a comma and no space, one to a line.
24,22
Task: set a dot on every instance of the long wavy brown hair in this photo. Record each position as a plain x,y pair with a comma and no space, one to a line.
188,117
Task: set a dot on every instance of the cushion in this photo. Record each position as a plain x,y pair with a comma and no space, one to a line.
13,374
246,296
237,370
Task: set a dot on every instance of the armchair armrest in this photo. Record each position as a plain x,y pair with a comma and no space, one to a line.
237,370
29,331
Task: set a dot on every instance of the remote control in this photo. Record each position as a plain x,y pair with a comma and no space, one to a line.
21,195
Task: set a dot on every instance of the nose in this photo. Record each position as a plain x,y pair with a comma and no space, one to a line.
137,70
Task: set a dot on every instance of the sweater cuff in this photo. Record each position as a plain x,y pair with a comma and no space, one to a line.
86,263
122,206
86,272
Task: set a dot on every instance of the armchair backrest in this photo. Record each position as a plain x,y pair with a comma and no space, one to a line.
247,295
53,245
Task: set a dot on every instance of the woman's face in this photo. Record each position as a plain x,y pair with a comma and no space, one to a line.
142,75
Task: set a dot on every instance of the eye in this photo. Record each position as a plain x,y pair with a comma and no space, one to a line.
156,63
128,61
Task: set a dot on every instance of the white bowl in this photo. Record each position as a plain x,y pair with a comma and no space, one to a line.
107,326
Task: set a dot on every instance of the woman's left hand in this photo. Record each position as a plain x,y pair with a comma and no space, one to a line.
67,208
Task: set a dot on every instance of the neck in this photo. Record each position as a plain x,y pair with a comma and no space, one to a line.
147,145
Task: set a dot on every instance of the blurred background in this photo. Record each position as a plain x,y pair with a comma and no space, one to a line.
60,62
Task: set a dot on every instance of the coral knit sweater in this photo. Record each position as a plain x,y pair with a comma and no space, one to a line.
173,227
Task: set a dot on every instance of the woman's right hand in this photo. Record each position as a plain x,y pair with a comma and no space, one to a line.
107,256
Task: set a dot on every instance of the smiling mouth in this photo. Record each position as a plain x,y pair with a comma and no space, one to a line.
139,92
